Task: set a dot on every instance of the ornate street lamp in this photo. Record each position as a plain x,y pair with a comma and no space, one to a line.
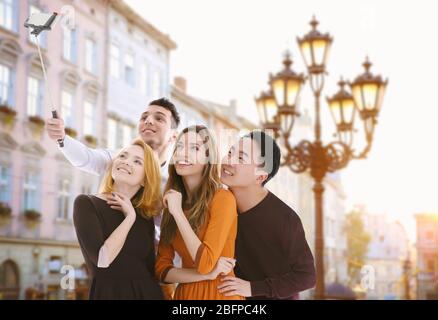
407,276
286,86
368,91
342,109
315,47
278,110
267,110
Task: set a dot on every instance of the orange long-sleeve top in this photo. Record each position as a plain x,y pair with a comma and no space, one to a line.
217,235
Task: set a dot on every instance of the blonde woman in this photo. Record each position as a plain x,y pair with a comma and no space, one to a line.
115,228
199,220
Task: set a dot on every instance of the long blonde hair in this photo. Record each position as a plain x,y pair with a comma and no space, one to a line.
196,207
148,198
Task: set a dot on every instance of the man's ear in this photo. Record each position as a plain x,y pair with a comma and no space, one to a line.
173,136
261,176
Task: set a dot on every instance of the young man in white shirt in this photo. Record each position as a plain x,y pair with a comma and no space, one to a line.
157,127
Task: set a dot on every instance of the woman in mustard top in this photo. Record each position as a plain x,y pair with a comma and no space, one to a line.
199,221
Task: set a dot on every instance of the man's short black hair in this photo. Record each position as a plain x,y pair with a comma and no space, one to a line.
166,104
269,152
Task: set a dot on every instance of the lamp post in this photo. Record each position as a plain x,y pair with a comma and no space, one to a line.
407,277
278,110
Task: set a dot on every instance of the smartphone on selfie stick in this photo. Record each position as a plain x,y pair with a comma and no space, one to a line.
40,22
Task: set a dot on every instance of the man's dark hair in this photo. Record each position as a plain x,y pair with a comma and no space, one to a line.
269,152
166,104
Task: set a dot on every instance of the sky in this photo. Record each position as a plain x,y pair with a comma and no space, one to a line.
226,49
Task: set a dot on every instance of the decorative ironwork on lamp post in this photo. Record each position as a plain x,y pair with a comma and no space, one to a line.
278,110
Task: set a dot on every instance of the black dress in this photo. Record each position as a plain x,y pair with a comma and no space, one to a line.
131,274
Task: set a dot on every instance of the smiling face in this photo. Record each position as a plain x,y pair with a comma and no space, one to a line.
128,166
242,166
155,126
190,155
193,171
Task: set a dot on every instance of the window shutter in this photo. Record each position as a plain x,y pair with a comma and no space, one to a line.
15,15
94,67
9,184
73,45
37,193
11,91
40,106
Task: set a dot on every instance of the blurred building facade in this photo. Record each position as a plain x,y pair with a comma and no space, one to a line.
91,81
387,253
137,71
427,255
299,195
335,241
37,183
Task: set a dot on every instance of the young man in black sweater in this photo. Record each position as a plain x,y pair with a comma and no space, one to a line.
273,258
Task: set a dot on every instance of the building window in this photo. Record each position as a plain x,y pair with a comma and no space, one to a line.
115,61
390,269
89,184
5,181
64,198
9,279
89,118
5,85
8,14
127,135
382,271
69,44
144,78
42,38
31,187
133,132
429,236
55,264
129,69
112,134
34,97
119,136
91,56
431,266
67,108
156,84
86,189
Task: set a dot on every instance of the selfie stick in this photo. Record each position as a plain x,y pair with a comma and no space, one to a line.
37,29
